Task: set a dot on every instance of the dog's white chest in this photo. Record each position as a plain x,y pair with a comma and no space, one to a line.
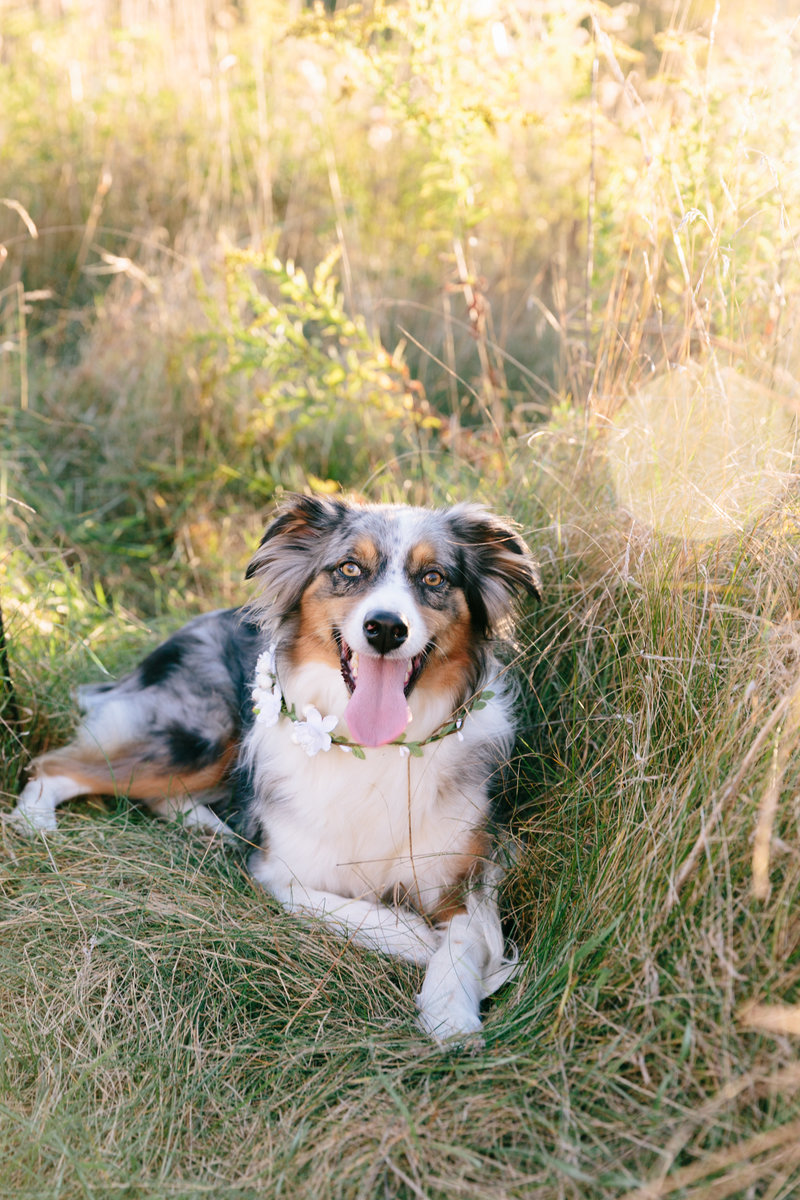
367,827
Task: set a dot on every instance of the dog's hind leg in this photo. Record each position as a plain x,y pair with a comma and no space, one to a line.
148,770
193,814
166,734
168,789
39,799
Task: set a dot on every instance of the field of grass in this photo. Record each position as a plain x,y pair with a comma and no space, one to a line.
536,253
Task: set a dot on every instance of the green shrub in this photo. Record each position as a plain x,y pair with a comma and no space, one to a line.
322,401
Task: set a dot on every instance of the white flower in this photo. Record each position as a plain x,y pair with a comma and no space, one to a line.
266,694
267,669
404,751
268,704
314,734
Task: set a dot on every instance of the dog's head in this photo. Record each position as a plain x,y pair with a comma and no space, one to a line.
396,598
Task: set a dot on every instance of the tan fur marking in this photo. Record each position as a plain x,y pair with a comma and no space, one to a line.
448,668
365,551
420,557
128,775
467,867
319,614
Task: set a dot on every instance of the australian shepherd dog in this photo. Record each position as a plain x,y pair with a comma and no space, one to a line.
347,723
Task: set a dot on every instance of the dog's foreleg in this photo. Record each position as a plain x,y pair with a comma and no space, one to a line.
391,930
468,966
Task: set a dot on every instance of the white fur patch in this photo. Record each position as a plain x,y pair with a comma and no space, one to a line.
36,807
394,931
369,827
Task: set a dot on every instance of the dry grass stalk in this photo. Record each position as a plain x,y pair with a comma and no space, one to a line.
730,791
782,1020
785,747
777,1148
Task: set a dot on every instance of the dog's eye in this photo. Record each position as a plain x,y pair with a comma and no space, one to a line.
350,570
433,579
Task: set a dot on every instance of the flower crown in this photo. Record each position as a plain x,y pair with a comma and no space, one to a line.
315,732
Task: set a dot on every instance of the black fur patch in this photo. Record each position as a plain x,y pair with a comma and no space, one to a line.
469,579
494,564
162,663
240,649
189,748
299,525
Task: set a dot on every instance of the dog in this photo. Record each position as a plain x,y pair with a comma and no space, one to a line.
348,722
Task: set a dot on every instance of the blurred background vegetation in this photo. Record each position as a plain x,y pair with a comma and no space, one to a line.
272,246
540,253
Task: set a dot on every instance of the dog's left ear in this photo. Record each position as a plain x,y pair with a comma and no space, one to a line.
497,567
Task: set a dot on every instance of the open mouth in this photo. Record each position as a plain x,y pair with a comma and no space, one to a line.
349,663
377,711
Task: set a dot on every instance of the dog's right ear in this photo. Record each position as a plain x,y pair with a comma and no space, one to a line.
298,525
293,546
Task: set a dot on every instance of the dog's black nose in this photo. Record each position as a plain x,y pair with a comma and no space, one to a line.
385,631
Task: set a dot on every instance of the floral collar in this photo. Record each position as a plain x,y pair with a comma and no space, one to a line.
315,733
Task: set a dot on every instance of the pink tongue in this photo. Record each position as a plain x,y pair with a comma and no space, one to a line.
378,709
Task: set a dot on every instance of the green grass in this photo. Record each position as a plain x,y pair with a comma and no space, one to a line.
418,269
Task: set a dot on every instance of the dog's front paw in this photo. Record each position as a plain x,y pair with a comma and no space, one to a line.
449,1019
449,1008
